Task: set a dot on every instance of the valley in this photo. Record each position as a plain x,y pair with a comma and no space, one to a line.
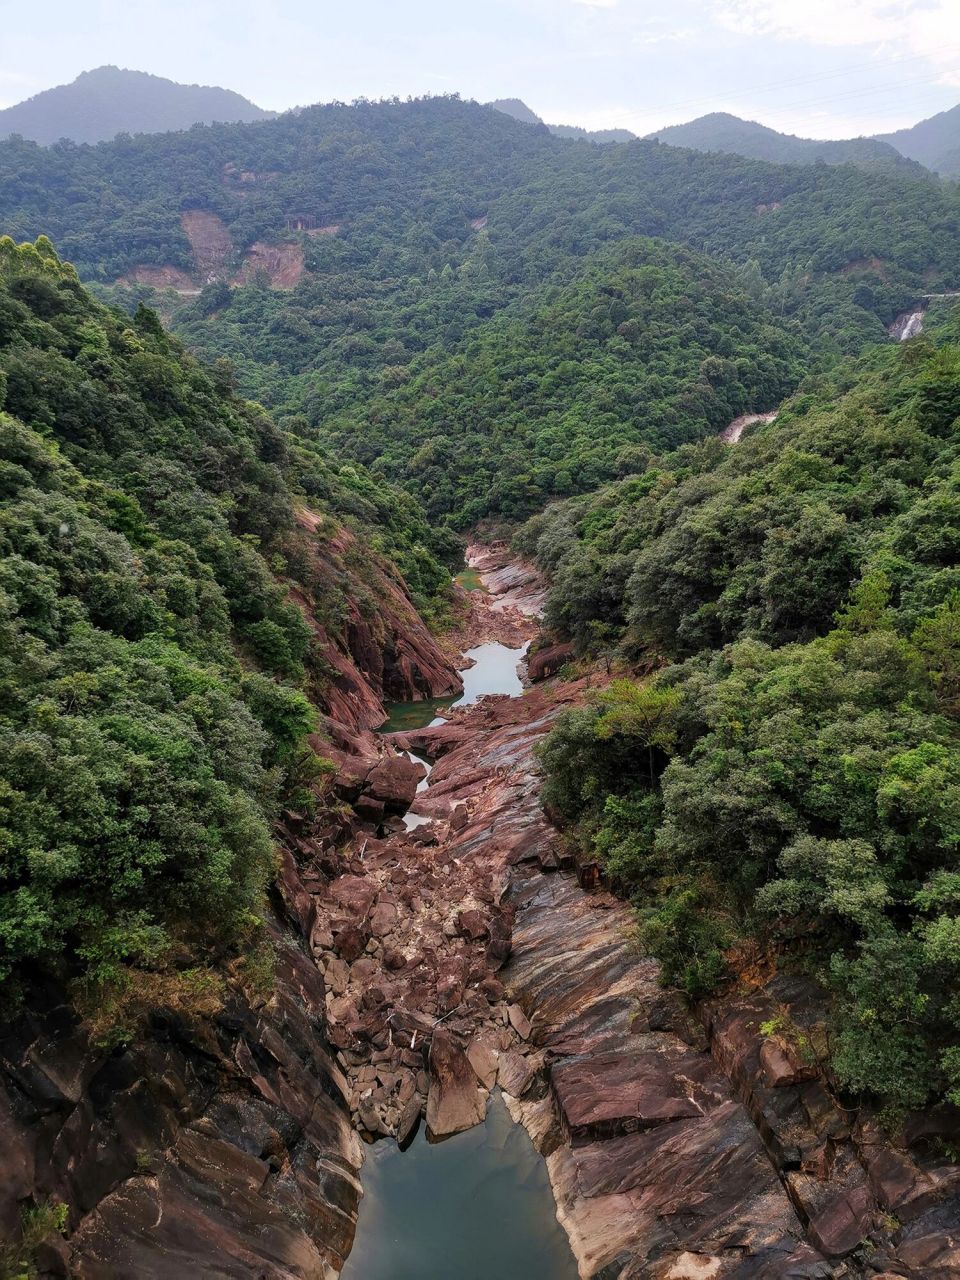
479,692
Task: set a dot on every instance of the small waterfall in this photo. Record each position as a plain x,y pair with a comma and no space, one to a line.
908,325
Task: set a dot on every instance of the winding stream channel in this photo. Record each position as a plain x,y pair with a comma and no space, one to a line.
478,1204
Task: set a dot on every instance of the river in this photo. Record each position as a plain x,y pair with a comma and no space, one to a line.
479,1204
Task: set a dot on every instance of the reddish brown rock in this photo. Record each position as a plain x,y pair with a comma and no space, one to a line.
482,1056
519,1021
515,1073
393,782
383,919
619,1093
547,661
471,924
350,942
782,1064
355,894
455,1101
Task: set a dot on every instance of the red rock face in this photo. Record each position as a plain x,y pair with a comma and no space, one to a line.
385,654
194,1151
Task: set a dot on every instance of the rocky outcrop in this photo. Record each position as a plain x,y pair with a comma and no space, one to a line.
216,1144
456,1100
546,660
379,648
513,584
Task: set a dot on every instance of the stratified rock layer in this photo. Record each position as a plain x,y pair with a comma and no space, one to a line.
216,1145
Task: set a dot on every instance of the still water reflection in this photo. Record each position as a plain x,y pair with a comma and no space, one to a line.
494,670
477,1207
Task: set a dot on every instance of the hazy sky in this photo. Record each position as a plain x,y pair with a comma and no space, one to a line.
822,68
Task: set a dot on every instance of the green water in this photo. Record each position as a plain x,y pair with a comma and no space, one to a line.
477,1207
414,715
494,671
470,580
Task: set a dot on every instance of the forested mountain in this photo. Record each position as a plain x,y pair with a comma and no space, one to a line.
721,131
646,345
154,670
450,308
794,775
419,222
934,142
100,104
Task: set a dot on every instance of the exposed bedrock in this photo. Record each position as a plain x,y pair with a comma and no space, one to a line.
217,1145
677,1146
379,648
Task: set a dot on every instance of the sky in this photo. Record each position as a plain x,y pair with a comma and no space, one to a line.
818,68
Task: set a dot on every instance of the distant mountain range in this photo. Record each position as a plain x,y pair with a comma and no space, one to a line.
520,111
100,104
722,132
933,143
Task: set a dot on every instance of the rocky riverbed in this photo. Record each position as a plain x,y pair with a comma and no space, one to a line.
419,970
474,953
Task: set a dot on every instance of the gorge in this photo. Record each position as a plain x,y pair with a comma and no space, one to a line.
489,803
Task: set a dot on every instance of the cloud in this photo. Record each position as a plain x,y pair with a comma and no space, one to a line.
597,4
916,29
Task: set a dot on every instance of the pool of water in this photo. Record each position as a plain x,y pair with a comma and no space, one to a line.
494,670
470,580
476,1207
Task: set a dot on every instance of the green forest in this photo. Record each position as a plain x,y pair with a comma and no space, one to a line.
157,684
492,325
788,774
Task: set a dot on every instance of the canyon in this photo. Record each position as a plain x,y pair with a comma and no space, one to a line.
422,968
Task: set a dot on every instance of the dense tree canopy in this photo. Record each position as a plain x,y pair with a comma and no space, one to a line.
152,668
800,778
647,345
491,321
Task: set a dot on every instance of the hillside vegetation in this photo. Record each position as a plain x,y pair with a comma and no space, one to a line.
647,345
791,774
490,323
154,673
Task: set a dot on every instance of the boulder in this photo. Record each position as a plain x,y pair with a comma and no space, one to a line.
383,919
471,924
482,1056
548,660
515,1074
614,1093
355,894
455,1101
393,782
